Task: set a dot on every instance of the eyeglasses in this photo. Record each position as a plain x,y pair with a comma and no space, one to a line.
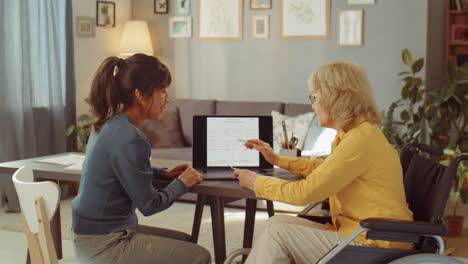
313,98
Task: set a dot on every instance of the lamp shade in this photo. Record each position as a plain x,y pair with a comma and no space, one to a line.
135,39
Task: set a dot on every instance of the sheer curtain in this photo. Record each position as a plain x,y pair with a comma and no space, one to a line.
37,86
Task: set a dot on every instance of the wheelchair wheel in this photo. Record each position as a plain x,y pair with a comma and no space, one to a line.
426,259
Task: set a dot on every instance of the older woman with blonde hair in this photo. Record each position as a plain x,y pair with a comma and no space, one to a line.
362,177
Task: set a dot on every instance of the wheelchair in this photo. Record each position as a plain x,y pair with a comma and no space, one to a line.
427,185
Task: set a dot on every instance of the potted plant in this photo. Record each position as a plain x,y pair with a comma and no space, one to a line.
83,129
458,193
437,118
410,127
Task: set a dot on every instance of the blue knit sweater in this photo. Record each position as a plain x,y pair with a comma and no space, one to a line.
117,178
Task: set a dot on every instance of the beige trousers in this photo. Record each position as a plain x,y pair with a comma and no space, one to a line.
146,245
290,239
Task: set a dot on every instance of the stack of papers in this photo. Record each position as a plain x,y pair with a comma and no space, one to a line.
73,161
75,167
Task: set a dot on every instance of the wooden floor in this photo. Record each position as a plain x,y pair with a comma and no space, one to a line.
458,245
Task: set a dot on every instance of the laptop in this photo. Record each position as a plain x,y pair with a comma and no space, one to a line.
217,144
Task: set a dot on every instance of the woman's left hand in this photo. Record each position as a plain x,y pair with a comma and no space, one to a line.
246,178
174,172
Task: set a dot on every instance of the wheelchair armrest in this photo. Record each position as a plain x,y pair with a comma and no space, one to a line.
401,226
325,206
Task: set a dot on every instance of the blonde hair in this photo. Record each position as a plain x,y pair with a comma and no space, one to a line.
345,93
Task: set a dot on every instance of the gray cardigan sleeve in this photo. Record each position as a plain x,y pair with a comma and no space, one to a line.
133,169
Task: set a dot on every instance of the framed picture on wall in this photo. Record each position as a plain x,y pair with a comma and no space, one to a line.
361,2
161,6
260,4
183,7
180,27
220,20
304,19
260,26
85,27
105,14
351,27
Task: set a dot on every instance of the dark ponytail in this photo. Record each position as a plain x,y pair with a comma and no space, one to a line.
116,80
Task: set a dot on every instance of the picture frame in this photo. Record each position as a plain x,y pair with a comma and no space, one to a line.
361,2
183,7
220,20
351,27
105,14
459,32
304,19
260,26
260,4
180,27
161,6
85,27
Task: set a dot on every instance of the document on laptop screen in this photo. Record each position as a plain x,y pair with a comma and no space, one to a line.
223,144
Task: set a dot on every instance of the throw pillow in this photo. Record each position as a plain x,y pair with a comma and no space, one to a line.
319,140
297,125
165,132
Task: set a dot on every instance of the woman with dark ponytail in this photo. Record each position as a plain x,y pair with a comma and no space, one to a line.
117,175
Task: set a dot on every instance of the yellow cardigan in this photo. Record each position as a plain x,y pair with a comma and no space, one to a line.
362,177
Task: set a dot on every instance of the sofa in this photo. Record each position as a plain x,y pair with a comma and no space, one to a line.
171,135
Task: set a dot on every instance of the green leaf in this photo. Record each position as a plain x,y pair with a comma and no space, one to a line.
464,196
407,58
460,121
82,136
70,130
426,132
417,66
405,91
454,195
451,69
404,73
414,130
405,116
84,118
453,138
417,82
464,68
409,79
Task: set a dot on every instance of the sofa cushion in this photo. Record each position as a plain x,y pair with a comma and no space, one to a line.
187,109
247,108
297,125
319,140
296,109
172,153
165,132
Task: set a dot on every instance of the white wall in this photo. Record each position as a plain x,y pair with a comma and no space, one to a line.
277,70
90,52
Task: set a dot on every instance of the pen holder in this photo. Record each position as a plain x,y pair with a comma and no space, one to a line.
290,152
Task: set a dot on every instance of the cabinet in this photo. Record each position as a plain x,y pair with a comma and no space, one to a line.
456,34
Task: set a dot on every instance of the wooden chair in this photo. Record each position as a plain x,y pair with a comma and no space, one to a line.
38,201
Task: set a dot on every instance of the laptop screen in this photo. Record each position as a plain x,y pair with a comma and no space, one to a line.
224,137
217,141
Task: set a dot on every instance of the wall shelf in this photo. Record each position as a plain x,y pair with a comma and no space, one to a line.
455,17
458,43
458,12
